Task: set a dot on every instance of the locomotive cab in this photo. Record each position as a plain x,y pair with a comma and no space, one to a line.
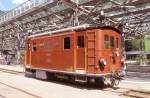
103,52
110,55
109,50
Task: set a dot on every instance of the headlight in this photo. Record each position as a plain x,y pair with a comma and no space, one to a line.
117,53
122,60
103,61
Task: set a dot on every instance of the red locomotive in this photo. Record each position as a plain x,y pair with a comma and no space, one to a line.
79,53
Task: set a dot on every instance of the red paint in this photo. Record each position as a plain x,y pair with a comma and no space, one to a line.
51,55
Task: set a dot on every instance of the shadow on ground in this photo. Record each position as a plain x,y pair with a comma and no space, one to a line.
89,86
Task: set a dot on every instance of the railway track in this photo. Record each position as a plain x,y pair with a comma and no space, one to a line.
137,94
129,93
15,91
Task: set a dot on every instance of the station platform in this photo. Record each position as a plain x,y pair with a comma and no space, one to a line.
16,68
129,83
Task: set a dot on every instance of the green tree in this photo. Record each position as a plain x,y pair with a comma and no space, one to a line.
147,43
136,44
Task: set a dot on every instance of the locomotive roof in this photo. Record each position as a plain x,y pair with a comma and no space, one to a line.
111,28
76,28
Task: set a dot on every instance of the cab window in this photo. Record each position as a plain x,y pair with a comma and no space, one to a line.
34,47
67,43
80,42
112,42
106,41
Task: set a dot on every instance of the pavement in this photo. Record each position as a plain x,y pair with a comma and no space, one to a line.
135,83
17,68
50,89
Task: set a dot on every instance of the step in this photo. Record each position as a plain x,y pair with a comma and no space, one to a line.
81,79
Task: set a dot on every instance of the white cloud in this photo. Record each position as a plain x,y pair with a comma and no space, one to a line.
18,1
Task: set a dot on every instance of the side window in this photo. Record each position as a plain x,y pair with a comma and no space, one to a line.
67,43
80,42
117,43
112,42
106,41
34,47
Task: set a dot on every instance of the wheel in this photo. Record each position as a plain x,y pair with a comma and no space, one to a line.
50,76
100,82
113,82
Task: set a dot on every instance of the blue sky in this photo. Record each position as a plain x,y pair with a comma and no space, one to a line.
9,4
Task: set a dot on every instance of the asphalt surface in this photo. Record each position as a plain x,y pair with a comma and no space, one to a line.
53,89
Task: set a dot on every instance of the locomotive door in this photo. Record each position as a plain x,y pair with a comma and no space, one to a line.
80,52
112,56
28,53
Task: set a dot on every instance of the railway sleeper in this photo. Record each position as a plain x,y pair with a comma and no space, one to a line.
137,94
